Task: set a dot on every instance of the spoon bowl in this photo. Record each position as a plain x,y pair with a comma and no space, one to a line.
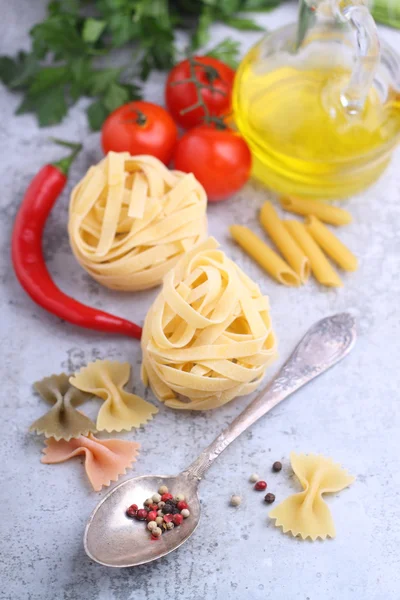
115,540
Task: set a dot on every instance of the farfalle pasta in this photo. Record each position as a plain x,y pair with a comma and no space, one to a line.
62,421
207,337
121,410
306,514
131,218
105,460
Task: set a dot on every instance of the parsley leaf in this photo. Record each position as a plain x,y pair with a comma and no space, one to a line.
97,113
92,30
50,107
243,24
227,51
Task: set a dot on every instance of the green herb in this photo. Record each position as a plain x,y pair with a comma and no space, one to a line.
227,51
71,51
386,11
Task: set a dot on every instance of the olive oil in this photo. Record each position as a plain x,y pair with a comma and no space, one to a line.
302,139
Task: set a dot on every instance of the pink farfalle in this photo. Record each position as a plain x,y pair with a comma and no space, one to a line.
105,460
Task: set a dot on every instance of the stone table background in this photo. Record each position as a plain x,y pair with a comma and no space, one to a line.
350,413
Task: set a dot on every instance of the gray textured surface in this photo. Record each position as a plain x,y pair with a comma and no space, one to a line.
351,413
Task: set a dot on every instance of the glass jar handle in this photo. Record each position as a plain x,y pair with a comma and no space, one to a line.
358,16
368,54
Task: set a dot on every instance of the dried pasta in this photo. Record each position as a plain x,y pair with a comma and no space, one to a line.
306,513
324,212
331,245
131,218
121,410
284,242
105,460
266,258
207,337
320,266
62,421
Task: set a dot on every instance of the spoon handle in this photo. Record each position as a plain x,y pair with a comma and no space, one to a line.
325,344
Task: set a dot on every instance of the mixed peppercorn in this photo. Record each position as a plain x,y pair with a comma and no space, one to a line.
259,485
162,512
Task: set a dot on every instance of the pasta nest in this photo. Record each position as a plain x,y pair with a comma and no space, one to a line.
207,338
131,218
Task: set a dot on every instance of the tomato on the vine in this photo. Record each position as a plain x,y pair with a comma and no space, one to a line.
140,128
181,94
219,158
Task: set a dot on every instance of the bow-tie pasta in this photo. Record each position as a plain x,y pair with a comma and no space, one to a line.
131,218
121,410
306,514
208,337
62,421
105,460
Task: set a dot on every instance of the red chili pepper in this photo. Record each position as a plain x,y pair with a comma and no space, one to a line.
28,259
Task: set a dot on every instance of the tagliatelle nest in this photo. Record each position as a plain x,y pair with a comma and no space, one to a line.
131,219
208,337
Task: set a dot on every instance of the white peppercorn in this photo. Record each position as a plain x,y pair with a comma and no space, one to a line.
235,500
156,532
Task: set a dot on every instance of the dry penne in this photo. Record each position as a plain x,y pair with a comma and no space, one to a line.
325,212
331,245
320,266
284,241
266,258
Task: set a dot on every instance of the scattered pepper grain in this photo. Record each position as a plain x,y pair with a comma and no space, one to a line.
235,500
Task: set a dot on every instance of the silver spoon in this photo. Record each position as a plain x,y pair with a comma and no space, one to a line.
114,540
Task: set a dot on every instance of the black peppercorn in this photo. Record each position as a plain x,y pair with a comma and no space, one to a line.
170,509
269,498
277,466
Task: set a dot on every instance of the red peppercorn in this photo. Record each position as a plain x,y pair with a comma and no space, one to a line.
141,514
260,486
166,497
168,518
132,510
182,504
153,507
151,515
155,538
177,519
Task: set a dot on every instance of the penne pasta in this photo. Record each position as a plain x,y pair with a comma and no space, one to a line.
324,212
284,242
331,245
273,264
320,266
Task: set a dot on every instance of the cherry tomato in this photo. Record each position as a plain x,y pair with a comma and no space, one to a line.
219,158
180,96
140,128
